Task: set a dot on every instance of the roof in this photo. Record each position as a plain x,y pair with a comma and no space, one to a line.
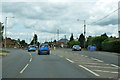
63,40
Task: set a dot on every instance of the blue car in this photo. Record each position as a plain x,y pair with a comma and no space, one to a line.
44,49
31,48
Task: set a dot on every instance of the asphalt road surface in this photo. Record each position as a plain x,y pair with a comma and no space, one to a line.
107,57
59,64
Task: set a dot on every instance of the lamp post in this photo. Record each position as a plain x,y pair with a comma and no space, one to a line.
84,29
6,29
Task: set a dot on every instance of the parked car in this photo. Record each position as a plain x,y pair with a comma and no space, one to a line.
44,49
31,48
76,48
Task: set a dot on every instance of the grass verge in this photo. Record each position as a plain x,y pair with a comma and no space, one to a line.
4,51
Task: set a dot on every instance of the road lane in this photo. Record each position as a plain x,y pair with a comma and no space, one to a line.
13,63
52,66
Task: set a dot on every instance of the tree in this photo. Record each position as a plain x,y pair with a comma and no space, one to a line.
54,41
98,41
81,40
73,43
1,32
105,35
71,38
34,41
89,41
23,43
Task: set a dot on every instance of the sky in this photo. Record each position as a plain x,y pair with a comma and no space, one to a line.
45,17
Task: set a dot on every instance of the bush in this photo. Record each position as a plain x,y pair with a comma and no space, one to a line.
112,46
97,41
73,43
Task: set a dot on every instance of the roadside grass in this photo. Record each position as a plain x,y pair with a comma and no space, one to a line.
4,51
2,55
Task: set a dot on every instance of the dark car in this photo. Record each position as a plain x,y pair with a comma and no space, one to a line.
44,49
76,48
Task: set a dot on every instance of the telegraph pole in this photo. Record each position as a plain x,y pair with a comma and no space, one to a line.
6,28
5,32
58,36
84,31
65,42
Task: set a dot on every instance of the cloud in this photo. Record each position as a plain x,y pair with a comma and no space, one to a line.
45,17
101,9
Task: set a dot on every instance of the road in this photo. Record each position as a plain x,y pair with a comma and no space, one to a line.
107,57
59,64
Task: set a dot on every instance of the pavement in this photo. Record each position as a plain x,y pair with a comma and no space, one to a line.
61,63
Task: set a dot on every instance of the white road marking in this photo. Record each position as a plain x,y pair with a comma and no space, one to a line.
90,63
89,70
70,60
105,71
24,69
82,55
97,59
86,56
30,59
29,54
103,67
61,56
114,65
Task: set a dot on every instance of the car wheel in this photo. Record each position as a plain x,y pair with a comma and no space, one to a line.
38,53
48,53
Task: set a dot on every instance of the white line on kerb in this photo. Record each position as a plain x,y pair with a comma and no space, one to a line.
61,56
97,60
103,67
24,68
70,60
89,70
105,71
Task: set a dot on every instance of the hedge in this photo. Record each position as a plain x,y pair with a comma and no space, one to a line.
112,46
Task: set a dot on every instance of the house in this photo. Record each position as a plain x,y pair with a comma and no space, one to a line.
63,43
9,43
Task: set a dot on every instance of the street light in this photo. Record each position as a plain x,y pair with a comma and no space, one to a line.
84,29
6,28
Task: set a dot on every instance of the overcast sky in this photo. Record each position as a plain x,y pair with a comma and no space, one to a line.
45,17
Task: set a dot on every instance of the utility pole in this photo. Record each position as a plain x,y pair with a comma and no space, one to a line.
84,32
51,39
65,42
58,36
5,31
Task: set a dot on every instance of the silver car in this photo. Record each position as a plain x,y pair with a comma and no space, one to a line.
76,48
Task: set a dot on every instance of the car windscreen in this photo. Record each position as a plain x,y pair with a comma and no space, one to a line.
32,46
76,46
44,46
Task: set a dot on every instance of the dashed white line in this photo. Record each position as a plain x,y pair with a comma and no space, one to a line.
24,69
29,54
105,71
30,59
89,70
70,60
